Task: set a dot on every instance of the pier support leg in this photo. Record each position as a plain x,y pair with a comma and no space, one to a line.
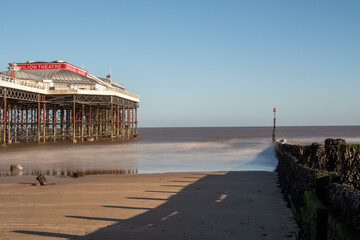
73,122
133,121
44,122
16,114
117,121
82,123
2,121
90,122
112,121
4,118
54,123
62,116
27,124
128,122
9,123
38,121
136,122
97,125
123,122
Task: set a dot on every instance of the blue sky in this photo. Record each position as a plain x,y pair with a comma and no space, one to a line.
204,63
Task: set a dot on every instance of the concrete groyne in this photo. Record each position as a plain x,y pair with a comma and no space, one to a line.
322,185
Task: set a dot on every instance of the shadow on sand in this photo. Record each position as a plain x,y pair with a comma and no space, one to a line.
234,205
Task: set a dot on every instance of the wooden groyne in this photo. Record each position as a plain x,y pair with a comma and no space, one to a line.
322,185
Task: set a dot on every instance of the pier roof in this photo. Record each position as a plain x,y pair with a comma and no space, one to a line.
22,75
57,75
60,77
57,71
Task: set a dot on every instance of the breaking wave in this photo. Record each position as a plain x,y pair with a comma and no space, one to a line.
147,157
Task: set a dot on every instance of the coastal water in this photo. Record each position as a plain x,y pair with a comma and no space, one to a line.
173,150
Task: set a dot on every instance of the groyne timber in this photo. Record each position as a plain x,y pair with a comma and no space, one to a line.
322,186
43,101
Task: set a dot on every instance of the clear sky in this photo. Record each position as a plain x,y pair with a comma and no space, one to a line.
204,62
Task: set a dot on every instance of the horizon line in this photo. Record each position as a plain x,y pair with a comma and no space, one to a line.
350,125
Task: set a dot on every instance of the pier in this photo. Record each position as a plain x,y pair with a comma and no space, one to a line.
42,102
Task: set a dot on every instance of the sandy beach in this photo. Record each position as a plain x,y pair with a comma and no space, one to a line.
214,205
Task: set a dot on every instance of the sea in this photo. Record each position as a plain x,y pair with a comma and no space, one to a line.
160,150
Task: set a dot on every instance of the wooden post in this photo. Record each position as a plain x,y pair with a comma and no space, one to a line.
273,135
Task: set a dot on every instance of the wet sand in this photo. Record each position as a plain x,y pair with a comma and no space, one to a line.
214,205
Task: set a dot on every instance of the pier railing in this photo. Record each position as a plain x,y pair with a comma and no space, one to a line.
47,87
123,92
21,82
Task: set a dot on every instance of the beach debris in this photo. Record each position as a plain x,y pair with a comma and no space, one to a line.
151,225
41,178
75,175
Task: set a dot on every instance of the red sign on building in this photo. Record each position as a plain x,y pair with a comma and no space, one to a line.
46,66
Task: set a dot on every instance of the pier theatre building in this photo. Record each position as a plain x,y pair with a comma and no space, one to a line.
50,101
